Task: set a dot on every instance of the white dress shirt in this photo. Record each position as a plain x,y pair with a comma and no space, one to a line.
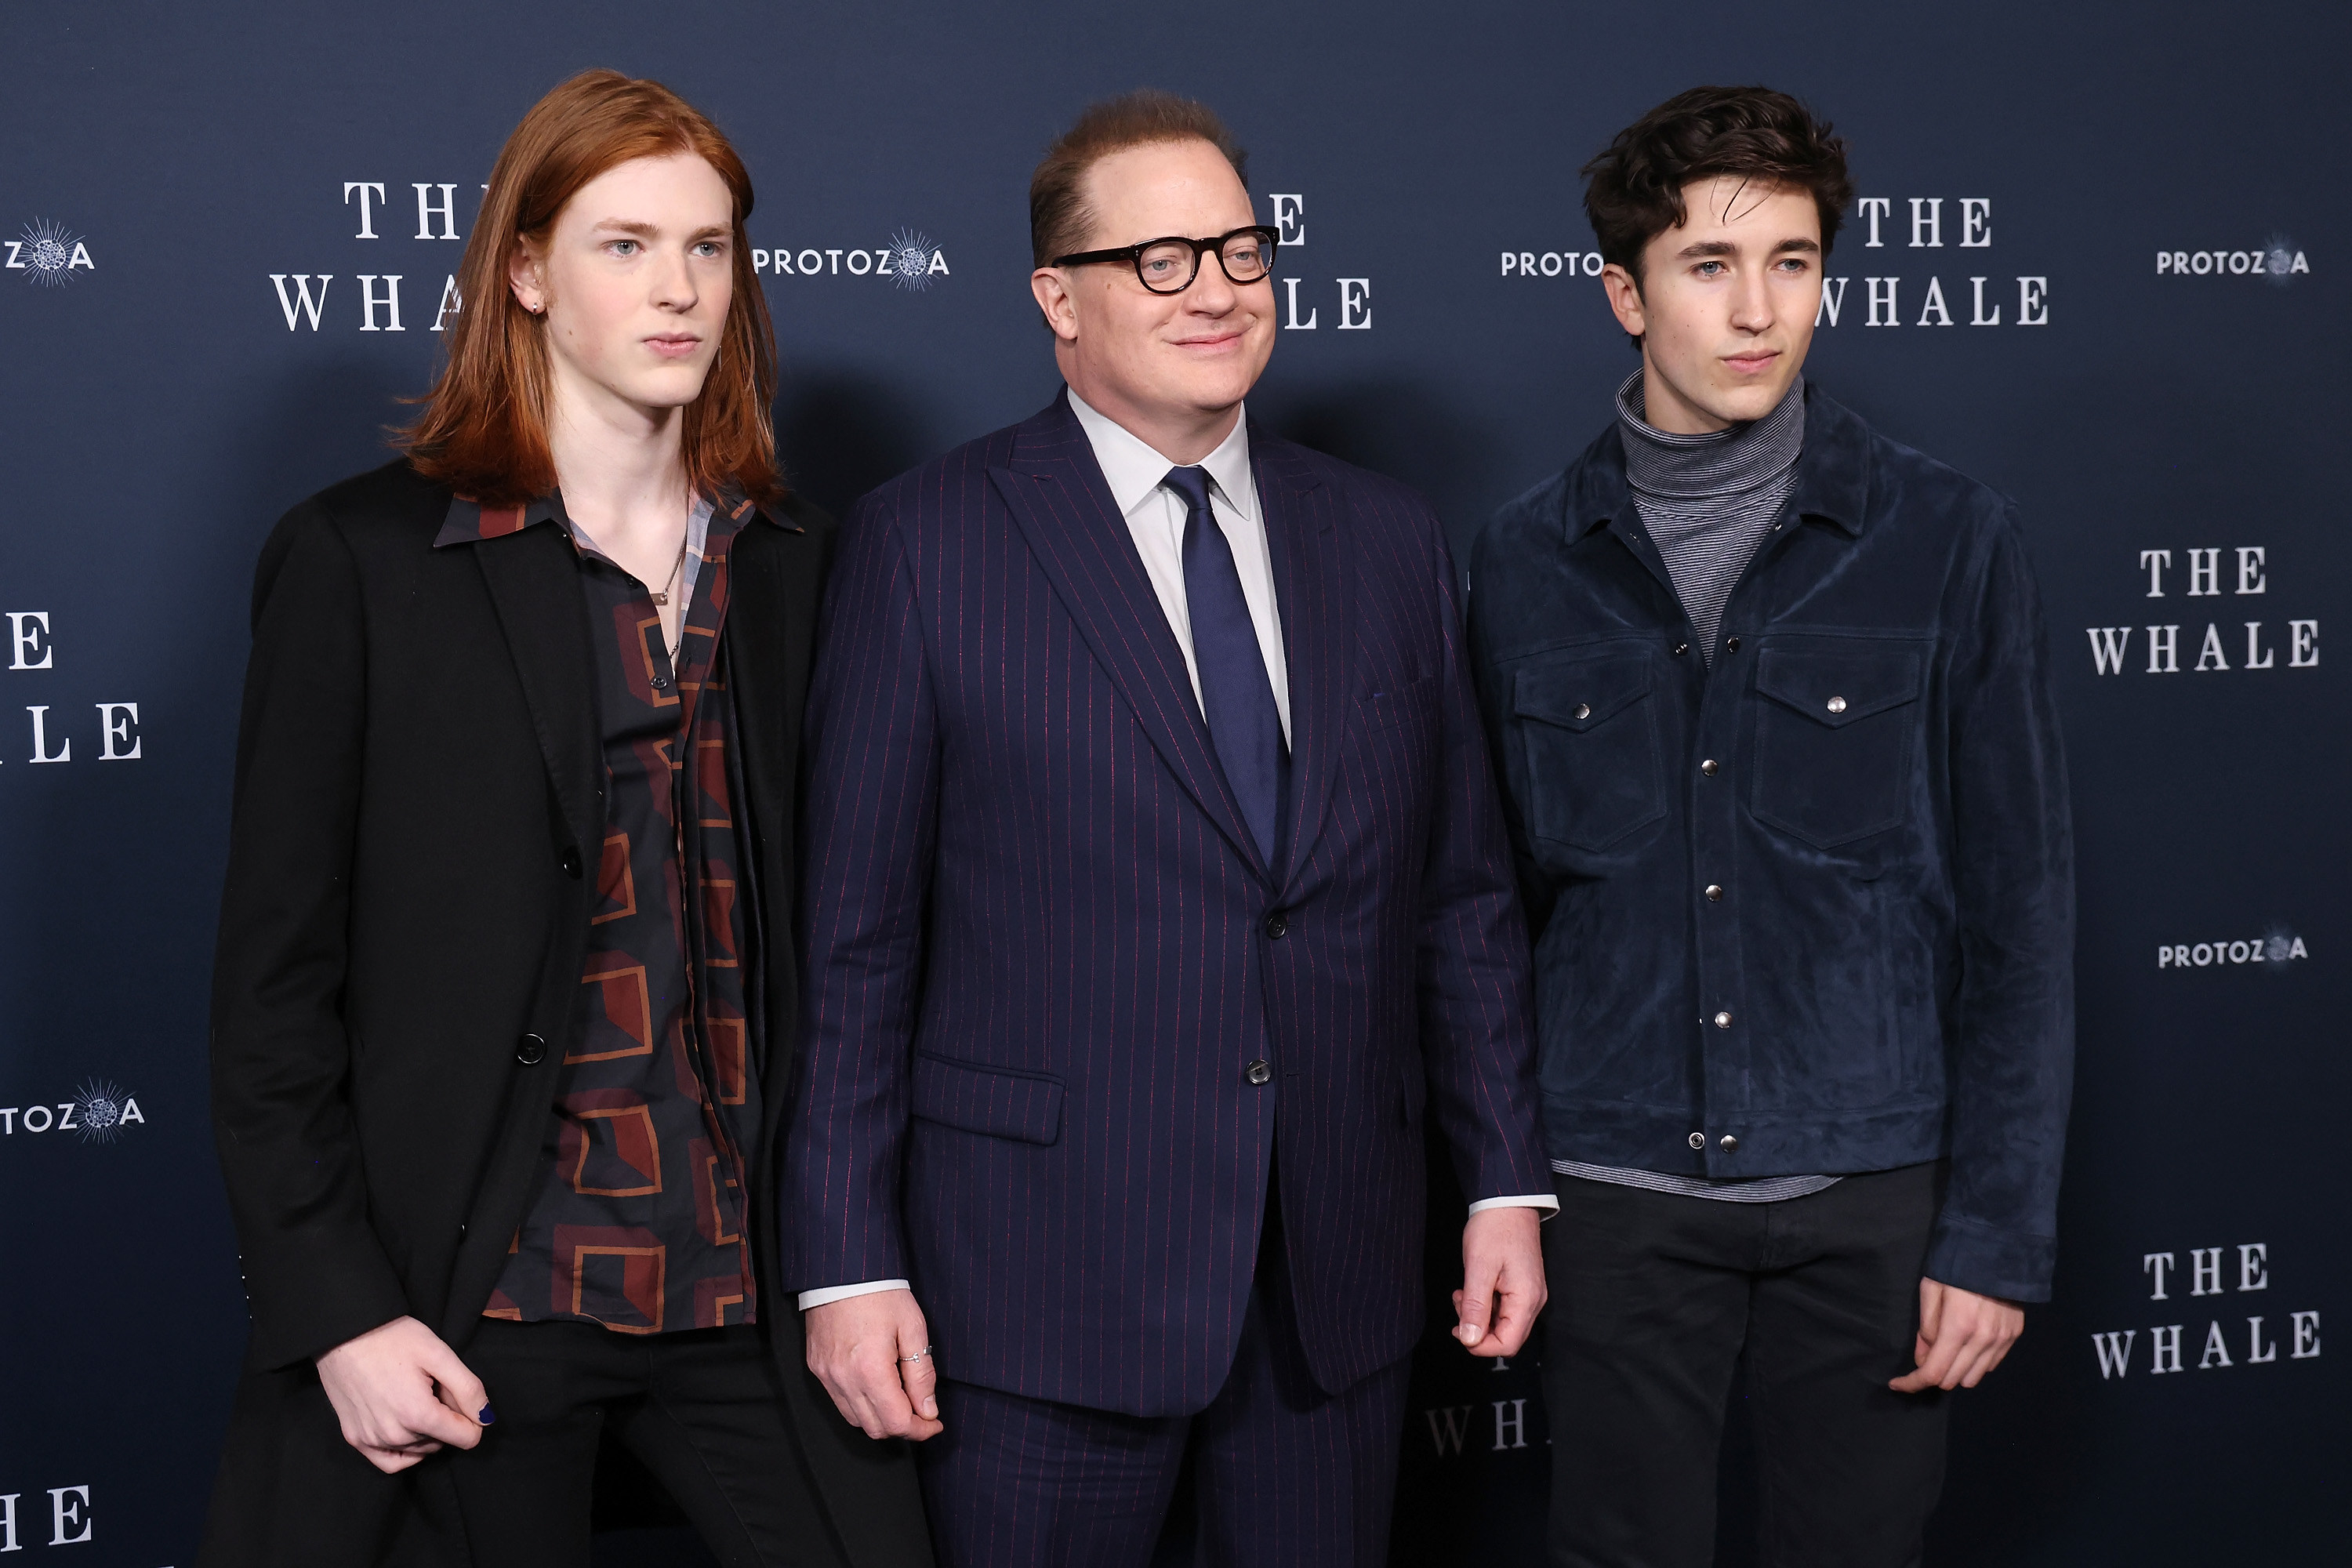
1155,517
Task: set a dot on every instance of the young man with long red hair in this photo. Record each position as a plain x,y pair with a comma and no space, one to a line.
504,998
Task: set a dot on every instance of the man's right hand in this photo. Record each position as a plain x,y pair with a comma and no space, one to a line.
872,1353
401,1393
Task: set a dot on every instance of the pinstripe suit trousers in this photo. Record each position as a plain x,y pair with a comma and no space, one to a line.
1283,1475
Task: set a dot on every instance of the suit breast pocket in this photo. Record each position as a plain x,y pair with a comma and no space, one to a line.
1398,702
1588,733
1837,723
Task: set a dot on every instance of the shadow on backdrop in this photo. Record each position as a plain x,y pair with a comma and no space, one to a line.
840,434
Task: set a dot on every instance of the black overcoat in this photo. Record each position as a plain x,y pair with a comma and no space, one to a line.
419,789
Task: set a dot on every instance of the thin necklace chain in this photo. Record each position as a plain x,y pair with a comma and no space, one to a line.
663,598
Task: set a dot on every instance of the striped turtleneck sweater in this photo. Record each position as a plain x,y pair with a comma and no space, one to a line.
1708,501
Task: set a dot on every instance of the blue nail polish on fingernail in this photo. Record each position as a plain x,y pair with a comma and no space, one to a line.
486,1416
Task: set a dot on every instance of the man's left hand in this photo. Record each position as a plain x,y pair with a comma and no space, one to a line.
1502,1280
1962,1336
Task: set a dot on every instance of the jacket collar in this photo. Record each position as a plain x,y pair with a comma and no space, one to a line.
1832,474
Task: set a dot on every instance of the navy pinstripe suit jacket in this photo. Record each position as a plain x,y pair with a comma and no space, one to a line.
1041,947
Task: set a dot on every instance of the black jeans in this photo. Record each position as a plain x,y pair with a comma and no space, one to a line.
701,1407
1653,1298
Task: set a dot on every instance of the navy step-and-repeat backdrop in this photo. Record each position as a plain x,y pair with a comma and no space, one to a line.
2097,261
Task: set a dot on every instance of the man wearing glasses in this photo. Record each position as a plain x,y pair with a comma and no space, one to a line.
1156,884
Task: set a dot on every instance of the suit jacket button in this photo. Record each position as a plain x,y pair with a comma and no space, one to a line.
571,863
531,1050
1277,927
1259,1073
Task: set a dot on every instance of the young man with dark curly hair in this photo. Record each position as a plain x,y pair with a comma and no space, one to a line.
1771,701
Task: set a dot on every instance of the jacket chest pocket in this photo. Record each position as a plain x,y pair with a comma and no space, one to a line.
1836,734
1398,702
1588,735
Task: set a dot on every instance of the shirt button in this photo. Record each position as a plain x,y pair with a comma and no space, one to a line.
1837,704
1708,767
1722,1020
531,1050
1730,1144
1731,645
1259,1073
1698,1140
1277,928
1714,894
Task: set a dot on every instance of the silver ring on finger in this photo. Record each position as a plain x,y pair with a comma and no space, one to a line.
918,1355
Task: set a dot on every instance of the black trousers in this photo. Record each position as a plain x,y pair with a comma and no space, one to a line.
1653,1299
701,1407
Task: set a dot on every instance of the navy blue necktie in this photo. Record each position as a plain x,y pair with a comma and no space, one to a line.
1236,697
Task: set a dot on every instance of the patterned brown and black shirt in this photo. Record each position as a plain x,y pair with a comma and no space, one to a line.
643,1213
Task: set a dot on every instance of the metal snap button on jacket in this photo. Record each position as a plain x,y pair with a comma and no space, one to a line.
1722,1020
1729,1143
1731,645
1698,1140
1583,711
1708,767
1837,704
531,1050
1259,1073
1713,893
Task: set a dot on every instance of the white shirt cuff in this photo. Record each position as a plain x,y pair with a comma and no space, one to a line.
843,1292
1527,1201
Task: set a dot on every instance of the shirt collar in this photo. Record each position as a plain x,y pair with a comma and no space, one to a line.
1134,470
469,521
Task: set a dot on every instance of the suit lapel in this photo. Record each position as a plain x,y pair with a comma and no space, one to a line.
1058,497
1314,590
534,580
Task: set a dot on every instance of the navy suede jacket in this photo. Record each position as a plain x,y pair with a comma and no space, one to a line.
1810,909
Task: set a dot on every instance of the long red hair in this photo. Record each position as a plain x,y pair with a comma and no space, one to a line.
484,429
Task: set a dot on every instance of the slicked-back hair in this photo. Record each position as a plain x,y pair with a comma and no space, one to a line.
1059,219
1633,190
484,429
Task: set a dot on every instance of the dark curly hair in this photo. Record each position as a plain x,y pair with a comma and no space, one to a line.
1633,190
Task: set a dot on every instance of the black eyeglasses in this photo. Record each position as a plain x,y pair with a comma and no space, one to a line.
1169,266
